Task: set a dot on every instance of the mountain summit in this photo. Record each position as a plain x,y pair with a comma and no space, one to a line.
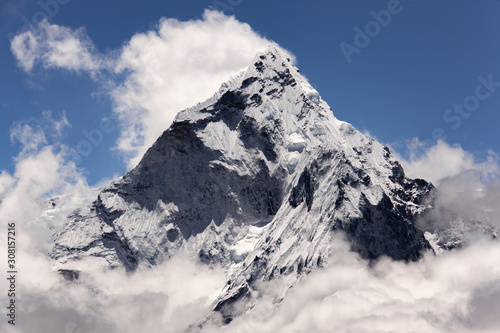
257,178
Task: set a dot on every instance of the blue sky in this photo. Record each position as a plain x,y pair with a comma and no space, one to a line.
430,56
84,94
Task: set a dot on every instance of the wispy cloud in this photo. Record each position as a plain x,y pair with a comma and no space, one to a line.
42,167
54,46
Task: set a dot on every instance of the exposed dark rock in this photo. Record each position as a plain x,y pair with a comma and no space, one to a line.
70,275
303,191
382,231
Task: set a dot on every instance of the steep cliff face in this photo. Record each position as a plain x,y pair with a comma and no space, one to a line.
257,178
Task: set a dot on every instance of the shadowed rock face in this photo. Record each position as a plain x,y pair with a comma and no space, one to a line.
331,195
303,191
380,232
265,152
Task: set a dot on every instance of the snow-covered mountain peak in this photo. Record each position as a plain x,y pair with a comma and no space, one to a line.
257,179
270,74
275,63
275,98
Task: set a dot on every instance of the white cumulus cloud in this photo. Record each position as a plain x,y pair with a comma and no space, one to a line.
155,74
443,160
174,67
